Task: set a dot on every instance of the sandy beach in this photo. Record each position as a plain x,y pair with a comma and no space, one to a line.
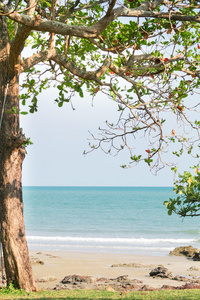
57,265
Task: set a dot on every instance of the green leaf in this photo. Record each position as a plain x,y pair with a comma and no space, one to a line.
24,113
81,93
60,104
148,161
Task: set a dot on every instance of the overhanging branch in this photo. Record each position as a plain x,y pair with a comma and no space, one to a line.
37,58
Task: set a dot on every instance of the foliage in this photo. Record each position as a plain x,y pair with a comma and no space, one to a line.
10,290
145,56
94,294
187,187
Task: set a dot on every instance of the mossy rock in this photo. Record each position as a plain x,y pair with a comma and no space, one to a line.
188,251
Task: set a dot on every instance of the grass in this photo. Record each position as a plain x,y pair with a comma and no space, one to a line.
11,293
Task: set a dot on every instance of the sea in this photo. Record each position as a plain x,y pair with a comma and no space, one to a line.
125,220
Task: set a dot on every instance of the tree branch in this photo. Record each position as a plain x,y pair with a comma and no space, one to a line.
110,8
37,58
18,42
36,23
174,16
88,75
83,7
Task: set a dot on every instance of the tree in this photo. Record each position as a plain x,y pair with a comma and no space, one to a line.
142,54
187,187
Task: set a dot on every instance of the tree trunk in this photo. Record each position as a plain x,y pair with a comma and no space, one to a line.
16,256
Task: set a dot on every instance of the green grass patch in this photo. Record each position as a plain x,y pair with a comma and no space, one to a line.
11,293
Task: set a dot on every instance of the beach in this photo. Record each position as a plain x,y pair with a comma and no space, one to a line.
59,264
86,230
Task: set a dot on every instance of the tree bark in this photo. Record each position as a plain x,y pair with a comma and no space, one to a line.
15,250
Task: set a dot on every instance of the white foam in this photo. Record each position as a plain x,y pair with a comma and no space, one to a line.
104,247
111,240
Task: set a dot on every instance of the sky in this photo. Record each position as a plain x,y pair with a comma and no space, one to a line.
60,135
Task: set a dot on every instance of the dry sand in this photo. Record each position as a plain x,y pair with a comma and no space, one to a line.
61,264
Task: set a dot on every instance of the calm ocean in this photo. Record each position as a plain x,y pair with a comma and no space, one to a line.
105,219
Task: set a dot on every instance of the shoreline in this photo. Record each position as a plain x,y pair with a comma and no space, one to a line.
157,246
58,264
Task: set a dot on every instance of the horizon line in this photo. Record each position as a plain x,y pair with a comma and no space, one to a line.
96,186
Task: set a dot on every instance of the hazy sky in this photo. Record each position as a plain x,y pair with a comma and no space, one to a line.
60,137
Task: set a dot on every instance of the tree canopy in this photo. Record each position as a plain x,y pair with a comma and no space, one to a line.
143,54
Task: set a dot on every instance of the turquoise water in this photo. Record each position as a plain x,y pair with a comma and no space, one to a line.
105,219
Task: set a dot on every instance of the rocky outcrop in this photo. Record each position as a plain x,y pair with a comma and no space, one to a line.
186,286
161,272
194,268
189,286
121,283
196,256
36,261
132,265
46,279
74,279
187,251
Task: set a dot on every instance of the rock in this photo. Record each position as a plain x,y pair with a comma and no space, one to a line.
77,278
181,278
123,278
136,281
147,288
196,256
102,280
119,284
123,284
194,268
187,251
161,272
46,279
132,265
36,261
51,256
190,286
110,289
59,287
166,287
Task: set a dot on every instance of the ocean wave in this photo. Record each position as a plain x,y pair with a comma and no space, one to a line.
112,240
104,247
